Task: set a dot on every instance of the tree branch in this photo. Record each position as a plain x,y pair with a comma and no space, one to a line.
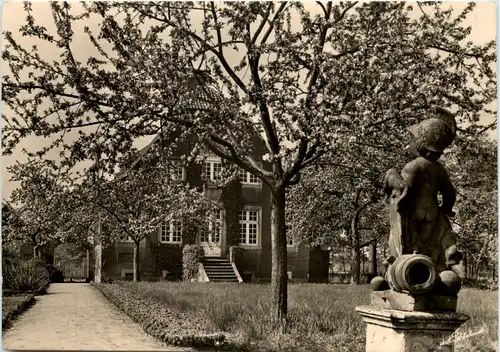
322,7
196,37
263,23
249,165
55,92
217,28
451,51
271,25
491,125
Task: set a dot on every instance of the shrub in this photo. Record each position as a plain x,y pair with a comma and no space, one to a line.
27,276
168,326
192,255
481,283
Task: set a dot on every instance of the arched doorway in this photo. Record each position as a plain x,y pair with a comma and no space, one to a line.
74,261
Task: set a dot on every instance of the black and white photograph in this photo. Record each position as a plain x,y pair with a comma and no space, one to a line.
249,176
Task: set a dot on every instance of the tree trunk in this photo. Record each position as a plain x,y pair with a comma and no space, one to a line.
356,256
479,258
466,264
136,261
279,275
87,265
37,252
343,263
373,259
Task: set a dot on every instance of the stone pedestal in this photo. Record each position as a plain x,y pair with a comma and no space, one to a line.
391,330
390,299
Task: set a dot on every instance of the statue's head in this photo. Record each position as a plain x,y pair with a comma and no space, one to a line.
433,135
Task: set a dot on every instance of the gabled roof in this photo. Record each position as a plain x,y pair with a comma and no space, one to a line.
202,93
201,96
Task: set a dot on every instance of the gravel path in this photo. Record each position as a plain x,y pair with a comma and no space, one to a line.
76,316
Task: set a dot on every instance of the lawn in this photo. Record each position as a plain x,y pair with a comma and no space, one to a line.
322,317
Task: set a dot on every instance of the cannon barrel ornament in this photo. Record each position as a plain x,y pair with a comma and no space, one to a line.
412,273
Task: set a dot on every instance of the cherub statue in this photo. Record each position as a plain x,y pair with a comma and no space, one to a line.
419,224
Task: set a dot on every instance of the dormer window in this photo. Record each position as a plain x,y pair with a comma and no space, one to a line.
212,169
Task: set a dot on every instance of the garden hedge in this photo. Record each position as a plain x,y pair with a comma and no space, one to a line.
13,306
173,328
192,255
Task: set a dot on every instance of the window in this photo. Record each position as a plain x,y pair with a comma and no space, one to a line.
127,273
249,225
214,229
247,178
171,232
212,169
175,170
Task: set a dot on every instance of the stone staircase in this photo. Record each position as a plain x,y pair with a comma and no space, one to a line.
219,270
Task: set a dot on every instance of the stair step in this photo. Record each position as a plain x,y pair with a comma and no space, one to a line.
221,274
221,267
218,266
219,271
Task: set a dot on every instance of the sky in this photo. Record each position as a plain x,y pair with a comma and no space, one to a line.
482,20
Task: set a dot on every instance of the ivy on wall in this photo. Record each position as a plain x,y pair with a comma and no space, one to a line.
233,201
166,257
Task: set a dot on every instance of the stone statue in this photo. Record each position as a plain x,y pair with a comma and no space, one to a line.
421,235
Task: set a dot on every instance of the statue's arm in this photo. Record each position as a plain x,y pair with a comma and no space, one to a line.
409,173
448,192
393,183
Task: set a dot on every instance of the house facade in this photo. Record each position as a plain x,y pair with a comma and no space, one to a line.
243,221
